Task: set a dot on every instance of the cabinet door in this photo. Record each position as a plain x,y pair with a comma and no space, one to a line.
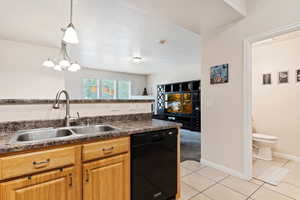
107,179
54,185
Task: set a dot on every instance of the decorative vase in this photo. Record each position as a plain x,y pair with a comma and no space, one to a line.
145,93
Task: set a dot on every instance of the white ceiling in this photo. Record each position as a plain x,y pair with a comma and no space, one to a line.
112,31
199,16
280,38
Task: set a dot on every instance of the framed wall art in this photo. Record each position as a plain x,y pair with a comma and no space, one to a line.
283,77
298,75
219,74
267,79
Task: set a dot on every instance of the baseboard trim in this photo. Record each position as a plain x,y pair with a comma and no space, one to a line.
224,169
286,156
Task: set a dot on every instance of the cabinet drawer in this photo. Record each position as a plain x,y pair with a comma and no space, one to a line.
105,148
29,163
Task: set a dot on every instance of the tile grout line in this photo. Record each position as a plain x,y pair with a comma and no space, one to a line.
296,186
209,187
201,192
198,194
219,181
265,183
207,196
215,183
255,191
194,195
292,198
280,165
271,191
289,170
285,163
192,171
239,191
202,167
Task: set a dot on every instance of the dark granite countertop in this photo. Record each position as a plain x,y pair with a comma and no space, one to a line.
126,128
73,101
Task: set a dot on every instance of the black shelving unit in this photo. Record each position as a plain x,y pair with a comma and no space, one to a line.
190,121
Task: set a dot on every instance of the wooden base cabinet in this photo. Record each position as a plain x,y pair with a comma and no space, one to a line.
54,185
107,179
91,171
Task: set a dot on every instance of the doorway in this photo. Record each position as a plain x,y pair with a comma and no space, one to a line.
269,80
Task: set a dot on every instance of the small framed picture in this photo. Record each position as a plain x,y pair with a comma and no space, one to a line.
283,77
267,79
298,75
219,74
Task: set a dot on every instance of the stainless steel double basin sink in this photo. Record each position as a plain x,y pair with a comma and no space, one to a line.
60,133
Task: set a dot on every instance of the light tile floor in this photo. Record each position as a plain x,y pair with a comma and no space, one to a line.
270,171
200,182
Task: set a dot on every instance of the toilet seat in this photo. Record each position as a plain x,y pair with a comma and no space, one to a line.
263,136
263,144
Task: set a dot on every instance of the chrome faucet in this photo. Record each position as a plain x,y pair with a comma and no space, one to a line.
56,105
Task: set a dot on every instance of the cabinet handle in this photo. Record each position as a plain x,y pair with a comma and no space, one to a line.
71,180
108,150
87,176
41,164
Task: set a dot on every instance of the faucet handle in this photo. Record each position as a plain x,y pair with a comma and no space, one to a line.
88,122
75,118
56,106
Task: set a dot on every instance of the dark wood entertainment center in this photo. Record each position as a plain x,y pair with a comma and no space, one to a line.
192,120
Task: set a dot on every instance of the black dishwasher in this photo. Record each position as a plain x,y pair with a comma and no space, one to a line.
154,165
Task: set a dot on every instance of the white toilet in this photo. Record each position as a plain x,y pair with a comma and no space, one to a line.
263,146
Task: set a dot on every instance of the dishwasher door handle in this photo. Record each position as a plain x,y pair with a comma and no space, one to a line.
157,138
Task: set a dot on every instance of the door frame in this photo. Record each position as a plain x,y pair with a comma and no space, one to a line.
247,89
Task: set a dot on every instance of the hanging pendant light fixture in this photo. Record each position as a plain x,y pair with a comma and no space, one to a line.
63,62
70,34
48,63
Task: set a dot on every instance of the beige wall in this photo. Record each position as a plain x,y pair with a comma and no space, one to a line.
22,74
276,107
74,80
177,75
46,112
222,105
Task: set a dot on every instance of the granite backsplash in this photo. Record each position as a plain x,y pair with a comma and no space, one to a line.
73,101
13,126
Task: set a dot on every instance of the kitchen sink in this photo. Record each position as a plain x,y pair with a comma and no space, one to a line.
60,133
93,129
42,134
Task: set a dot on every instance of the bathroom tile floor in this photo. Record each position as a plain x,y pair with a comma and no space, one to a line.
200,182
272,172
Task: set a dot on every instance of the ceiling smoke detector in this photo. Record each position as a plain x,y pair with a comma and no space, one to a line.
162,41
137,59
